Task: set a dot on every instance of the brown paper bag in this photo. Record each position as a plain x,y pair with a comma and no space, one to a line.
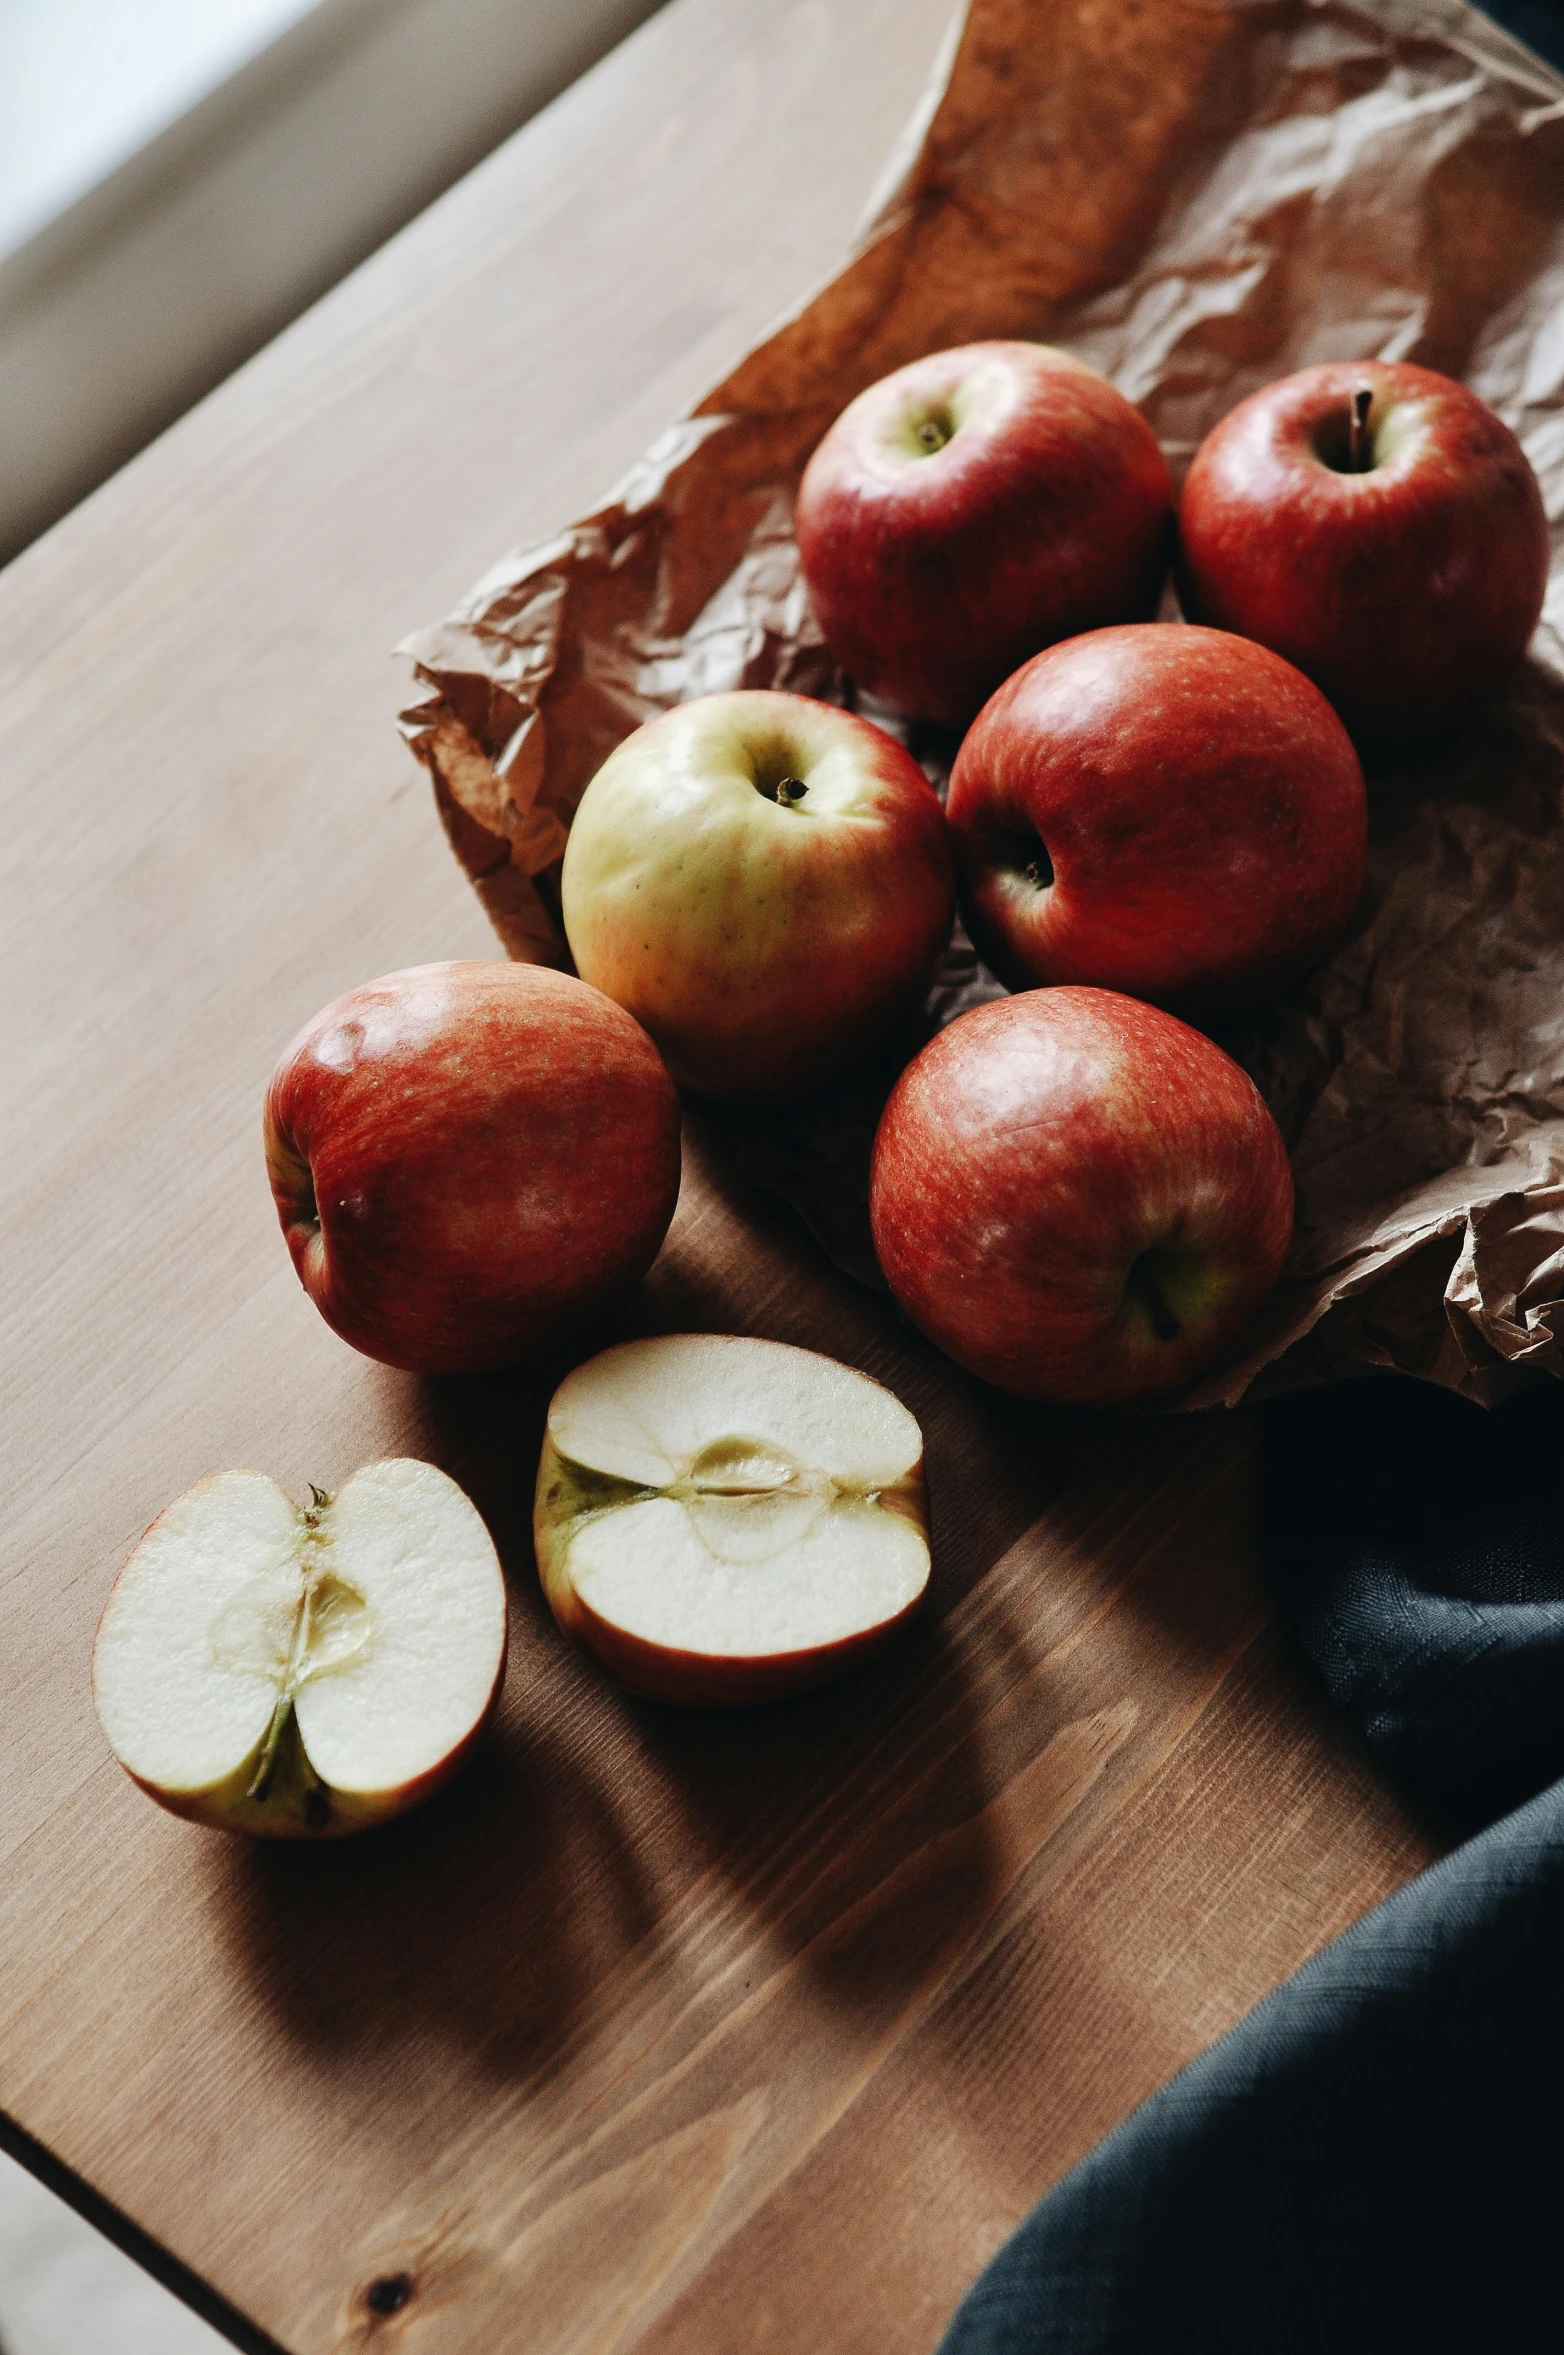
1197,197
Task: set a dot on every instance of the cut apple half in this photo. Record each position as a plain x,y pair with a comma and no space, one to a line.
303,1670
721,1520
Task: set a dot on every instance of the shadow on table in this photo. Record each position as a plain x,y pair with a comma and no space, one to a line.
840,1840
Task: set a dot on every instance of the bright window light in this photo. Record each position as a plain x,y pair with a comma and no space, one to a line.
85,83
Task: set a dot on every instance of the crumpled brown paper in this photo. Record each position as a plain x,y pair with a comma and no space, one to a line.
1197,197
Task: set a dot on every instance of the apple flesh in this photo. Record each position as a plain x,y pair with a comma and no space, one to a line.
721,1520
1379,526
766,883
972,508
471,1162
302,1671
1169,811
1078,1198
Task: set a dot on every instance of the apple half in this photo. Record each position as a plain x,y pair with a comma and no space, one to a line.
721,1520
303,1670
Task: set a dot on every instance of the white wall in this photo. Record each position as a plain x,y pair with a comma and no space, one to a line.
120,312
84,83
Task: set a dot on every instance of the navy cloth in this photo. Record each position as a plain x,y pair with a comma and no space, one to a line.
1539,23
1372,2163
1419,1547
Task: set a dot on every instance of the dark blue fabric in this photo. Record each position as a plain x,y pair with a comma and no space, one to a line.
1539,23
1372,2163
1419,1546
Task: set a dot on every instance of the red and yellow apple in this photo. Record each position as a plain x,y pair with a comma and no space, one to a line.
766,883
972,508
1379,526
471,1162
1078,1198
1171,811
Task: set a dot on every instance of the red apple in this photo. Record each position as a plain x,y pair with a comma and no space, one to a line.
471,1162
1078,1198
766,883
972,508
1165,810
1379,526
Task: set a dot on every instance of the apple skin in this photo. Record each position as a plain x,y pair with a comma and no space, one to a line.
1046,511
765,944
710,1680
1078,1198
471,1162
1161,809
1407,591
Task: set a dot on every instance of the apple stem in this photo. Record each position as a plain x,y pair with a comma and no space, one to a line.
790,791
1357,430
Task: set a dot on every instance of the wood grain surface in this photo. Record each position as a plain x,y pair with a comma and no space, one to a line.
658,2031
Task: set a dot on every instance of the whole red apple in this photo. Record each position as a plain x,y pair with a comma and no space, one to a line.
471,1162
1078,1198
1166,810
766,883
1378,525
972,508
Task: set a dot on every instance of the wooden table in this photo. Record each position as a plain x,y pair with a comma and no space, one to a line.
657,2032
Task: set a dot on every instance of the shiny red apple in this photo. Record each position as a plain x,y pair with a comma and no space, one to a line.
1166,810
471,1162
1078,1198
1379,526
971,508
